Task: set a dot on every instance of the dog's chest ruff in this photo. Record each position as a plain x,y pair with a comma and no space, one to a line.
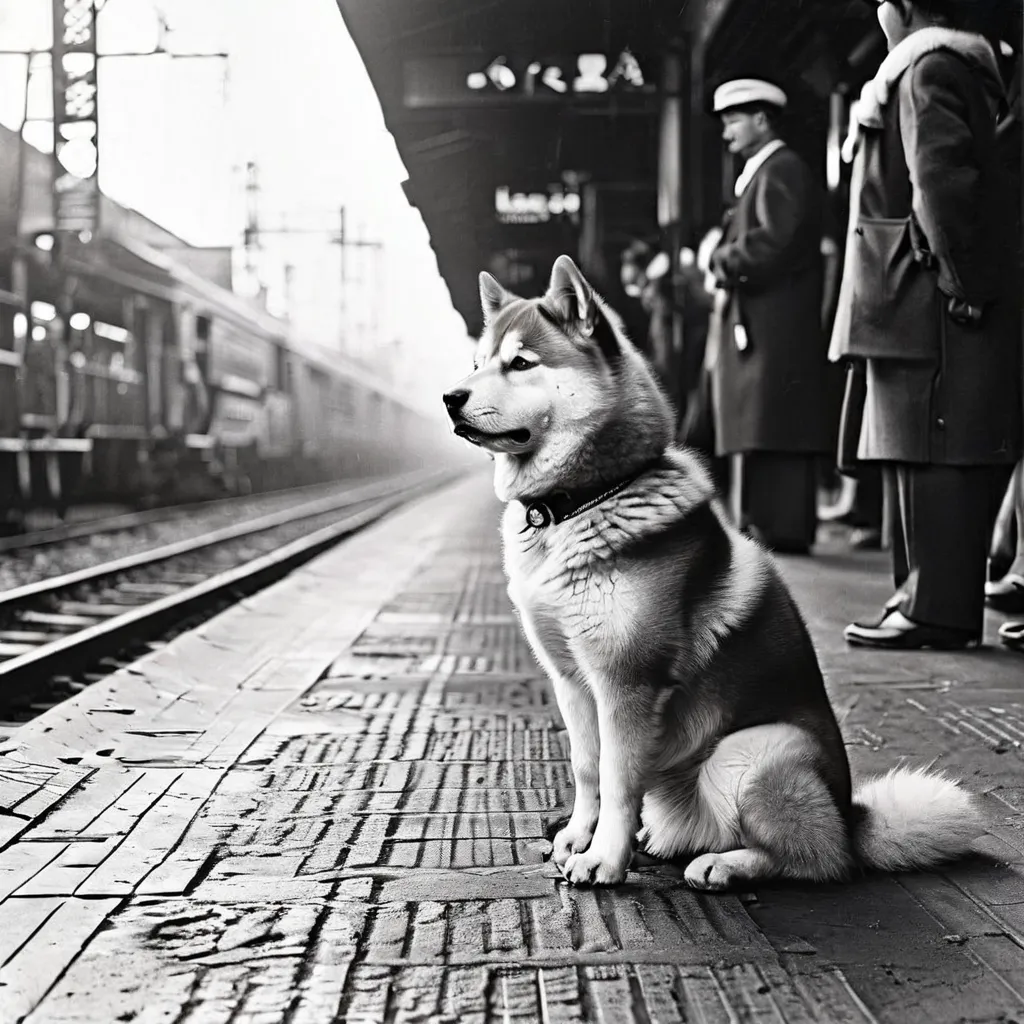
565,574
579,574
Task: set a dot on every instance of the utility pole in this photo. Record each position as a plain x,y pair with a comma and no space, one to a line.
74,26
19,268
359,244
75,169
255,232
289,287
252,244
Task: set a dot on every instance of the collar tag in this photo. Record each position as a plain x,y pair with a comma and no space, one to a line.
562,505
538,515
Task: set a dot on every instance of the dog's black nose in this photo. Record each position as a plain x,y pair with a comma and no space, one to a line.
455,400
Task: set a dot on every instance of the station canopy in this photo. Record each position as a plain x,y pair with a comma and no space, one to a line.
510,115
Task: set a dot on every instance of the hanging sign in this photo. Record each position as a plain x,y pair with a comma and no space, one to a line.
467,79
536,207
75,120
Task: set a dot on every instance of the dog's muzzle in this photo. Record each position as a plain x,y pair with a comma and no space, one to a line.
454,401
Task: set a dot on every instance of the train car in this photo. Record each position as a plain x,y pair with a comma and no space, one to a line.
354,424
132,373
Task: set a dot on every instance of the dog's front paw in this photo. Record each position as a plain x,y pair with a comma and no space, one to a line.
592,868
711,872
569,840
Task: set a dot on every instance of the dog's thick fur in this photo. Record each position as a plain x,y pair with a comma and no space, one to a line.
689,686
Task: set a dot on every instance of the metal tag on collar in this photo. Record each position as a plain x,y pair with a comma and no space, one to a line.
538,515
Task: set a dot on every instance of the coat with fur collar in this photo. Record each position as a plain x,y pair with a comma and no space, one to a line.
930,220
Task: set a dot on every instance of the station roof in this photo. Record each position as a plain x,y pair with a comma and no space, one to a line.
461,144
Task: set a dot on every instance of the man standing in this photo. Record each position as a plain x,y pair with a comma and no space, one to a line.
768,360
934,316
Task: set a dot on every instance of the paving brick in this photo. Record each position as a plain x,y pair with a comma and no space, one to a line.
331,804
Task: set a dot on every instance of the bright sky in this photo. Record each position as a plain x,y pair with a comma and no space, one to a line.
293,97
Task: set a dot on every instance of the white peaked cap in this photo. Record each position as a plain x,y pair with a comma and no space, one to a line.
747,90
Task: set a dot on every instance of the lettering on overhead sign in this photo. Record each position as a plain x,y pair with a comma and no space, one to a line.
497,74
590,75
535,207
591,67
438,80
552,78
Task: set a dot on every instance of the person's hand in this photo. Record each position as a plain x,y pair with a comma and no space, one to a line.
963,312
718,270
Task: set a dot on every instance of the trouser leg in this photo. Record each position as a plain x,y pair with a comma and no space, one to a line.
779,497
867,503
946,517
894,510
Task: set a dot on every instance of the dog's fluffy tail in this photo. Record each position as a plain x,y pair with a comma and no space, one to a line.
912,819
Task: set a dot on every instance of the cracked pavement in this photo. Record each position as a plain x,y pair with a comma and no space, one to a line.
332,802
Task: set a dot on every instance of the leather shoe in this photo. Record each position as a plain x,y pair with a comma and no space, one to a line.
1012,635
864,539
1007,594
895,632
890,606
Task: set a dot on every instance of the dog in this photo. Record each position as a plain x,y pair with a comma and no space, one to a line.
691,692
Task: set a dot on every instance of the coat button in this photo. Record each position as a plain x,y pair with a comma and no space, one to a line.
940,423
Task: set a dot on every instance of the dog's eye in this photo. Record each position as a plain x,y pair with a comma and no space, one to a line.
519,363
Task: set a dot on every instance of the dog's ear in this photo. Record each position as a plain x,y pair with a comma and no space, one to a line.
572,300
492,296
570,295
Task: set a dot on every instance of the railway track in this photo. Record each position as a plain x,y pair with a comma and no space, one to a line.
127,521
66,623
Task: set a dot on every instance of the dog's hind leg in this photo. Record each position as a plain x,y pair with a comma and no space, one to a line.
789,824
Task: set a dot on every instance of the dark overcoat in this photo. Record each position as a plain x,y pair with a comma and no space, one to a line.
934,220
772,395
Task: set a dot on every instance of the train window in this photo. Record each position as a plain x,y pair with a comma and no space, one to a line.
111,332
203,326
43,312
19,332
7,326
282,369
345,400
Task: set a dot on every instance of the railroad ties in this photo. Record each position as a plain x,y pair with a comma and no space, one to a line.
67,622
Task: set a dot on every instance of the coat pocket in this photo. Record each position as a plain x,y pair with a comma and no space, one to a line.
895,309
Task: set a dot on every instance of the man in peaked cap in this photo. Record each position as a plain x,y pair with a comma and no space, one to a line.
767,354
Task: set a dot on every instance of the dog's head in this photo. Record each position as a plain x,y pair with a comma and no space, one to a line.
558,394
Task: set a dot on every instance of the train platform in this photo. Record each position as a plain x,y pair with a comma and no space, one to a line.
332,803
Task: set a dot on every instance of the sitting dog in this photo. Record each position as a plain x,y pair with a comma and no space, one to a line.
691,692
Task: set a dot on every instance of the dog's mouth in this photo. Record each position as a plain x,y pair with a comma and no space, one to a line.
512,441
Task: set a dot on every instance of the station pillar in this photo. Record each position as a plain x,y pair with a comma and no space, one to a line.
674,219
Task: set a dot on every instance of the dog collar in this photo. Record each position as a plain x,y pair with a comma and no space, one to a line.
556,507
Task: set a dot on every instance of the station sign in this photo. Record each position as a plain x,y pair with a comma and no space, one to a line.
472,79
537,207
75,118
514,268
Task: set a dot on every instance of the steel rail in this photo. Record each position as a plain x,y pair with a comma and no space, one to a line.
369,492
24,674
149,516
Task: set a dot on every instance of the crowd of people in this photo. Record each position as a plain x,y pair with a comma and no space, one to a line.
895,357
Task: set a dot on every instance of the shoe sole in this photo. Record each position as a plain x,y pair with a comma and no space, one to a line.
970,645
1010,604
